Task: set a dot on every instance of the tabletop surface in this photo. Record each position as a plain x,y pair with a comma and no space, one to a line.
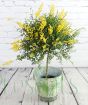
17,87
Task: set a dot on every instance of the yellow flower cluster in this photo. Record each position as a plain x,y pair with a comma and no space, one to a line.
37,14
52,9
32,55
20,24
42,37
16,45
56,42
44,47
62,14
59,27
67,31
63,24
50,29
26,27
43,22
70,41
44,34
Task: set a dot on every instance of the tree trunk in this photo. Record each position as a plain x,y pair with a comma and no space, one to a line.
47,61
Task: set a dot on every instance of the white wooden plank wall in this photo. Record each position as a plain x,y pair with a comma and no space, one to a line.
12,11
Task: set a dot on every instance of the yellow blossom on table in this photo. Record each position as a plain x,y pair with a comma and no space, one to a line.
7,62
62,14
37,14
50,29
16,45
52,9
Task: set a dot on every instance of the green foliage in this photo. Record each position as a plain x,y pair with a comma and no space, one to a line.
47,34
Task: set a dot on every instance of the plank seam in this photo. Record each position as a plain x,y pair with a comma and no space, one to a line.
8,82
71,89
81,74
25,87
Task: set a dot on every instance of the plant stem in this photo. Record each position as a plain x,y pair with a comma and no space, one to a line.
47,61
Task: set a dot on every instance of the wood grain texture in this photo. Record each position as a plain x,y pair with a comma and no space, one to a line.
21,88
78,85
31,94
14,93
5,77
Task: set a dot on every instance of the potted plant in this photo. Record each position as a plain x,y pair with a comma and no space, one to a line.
46,35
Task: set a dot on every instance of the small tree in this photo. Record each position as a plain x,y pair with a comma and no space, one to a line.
48,34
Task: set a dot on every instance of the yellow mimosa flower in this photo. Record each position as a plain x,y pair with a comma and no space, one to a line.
59,28
16,45
52,9
54,43
20,24
41,36
41,27
57,39
32,55
60,42
37,14
67,32
50,29
42,18
34,44
62,14
63,24
26,38
36,34
44,39
44,47
70,41
42,22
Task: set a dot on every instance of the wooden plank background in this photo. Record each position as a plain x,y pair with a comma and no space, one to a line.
12,11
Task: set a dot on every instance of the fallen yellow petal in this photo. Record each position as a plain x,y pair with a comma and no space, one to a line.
7,62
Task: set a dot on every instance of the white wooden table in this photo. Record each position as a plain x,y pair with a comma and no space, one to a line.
17,87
